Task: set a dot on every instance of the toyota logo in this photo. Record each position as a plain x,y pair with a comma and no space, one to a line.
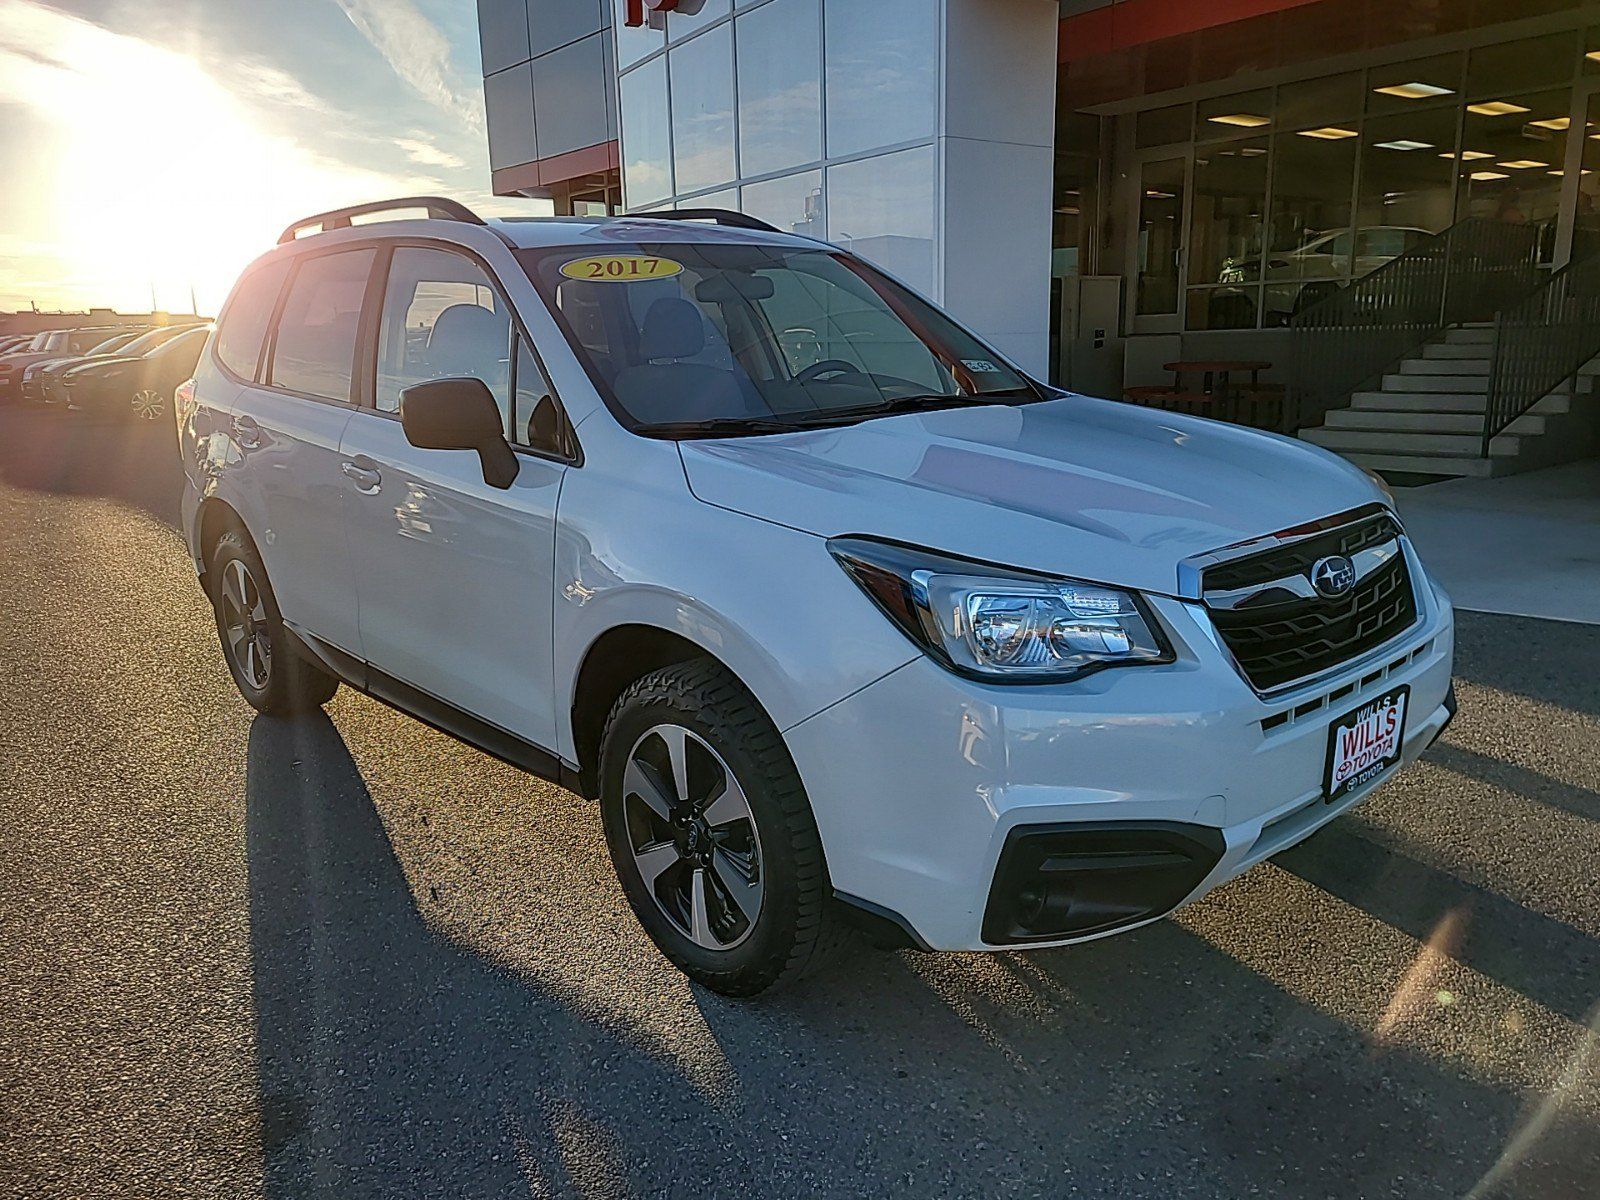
1334,576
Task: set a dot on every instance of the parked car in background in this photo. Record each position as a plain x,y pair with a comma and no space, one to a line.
139,387
35,383
14,341
53,343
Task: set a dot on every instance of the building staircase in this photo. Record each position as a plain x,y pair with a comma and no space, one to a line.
1427,416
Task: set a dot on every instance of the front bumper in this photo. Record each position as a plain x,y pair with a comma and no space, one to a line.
920,780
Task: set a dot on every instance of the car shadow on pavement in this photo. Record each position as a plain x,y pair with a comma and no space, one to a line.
132,462
392,1061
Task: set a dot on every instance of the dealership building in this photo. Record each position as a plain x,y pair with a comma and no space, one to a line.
1103,187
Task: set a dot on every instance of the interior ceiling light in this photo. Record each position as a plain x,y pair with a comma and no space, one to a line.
1414,91
1328,133
1552,123
1155,195
1497,108
1584,171
1253,151
1486,176
1405,144
1593,56
1468,155
1523,164
1244,120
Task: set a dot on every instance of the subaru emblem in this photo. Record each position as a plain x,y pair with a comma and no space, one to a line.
1333,577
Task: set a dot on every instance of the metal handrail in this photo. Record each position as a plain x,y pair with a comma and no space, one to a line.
1543,340
1468,272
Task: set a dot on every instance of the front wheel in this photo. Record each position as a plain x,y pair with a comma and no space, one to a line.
711,833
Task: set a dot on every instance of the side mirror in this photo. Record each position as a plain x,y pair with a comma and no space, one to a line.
459,414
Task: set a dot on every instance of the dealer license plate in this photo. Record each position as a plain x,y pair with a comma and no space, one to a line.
1363,744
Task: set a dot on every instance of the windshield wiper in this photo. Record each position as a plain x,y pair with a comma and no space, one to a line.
721,427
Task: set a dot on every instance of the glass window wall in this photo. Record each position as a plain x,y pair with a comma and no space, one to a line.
702,110
780,86
646,135
882,208
882,72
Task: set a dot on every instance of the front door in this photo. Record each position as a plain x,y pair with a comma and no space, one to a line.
454,576
1160,221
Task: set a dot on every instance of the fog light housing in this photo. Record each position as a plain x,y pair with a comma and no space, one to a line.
1071,880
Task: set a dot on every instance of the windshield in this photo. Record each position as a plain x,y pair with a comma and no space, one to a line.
687,337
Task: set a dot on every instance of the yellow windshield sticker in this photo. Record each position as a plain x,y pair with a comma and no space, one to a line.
620,268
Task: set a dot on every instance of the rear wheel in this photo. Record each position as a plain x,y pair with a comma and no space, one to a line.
711,833
259,652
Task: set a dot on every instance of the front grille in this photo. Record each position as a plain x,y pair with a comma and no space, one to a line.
1281,637
1296,558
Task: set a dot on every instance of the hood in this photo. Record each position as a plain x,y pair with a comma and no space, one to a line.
1093,489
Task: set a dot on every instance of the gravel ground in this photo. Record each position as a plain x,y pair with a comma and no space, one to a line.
345,956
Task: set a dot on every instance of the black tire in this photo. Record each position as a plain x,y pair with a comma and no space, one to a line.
270,674
794,931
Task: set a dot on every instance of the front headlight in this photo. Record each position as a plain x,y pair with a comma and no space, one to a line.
1002,625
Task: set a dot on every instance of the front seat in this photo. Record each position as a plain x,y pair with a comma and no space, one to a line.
665,388
468,339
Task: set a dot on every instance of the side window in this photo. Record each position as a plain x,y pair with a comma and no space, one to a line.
442,316
315,352
536,416
244,324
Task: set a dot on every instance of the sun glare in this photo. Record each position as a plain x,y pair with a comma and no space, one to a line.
164,203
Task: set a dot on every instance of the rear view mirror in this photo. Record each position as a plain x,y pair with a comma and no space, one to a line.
459,414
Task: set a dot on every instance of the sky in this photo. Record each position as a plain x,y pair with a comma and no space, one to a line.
166,143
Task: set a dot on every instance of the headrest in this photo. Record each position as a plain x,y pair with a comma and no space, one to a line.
673,328
469,324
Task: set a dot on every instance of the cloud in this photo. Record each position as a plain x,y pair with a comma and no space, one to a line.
420,150
418,51
101,218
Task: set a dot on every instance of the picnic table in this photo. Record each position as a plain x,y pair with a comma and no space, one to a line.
1216,373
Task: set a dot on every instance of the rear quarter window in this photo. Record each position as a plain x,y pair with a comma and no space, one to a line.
243,328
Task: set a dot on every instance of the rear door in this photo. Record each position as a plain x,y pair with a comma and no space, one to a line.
281,438
455,577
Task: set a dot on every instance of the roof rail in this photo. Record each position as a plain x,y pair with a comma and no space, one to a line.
439,208
721,216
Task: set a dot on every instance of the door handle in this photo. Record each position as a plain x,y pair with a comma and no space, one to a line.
246,432
364,473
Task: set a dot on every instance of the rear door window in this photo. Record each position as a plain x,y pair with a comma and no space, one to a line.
244,326
315,349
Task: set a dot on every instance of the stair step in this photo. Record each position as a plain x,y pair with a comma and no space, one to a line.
1404,422
1470,335
1432,445
1435,383
1442,402
1462,402
1417,464
1457,350
1445,366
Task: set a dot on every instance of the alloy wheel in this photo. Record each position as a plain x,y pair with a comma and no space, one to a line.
148,404
244,623
693,837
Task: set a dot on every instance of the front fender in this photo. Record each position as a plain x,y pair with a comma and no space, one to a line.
634,547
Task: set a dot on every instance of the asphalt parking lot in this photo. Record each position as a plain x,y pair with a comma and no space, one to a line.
348,957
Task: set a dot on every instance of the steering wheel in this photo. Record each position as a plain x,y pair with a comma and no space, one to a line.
828,366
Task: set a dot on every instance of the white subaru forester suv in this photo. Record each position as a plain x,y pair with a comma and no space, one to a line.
843,619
